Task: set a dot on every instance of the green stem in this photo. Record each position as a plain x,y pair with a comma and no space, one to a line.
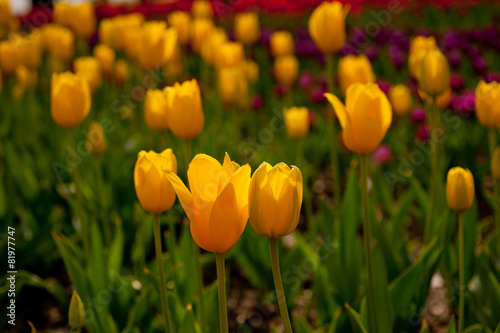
492,143
161,276
304,166
433,170
199,285
280,294
461,276
332,133
171,228
102,198
188,152
372,306
221,282
80,213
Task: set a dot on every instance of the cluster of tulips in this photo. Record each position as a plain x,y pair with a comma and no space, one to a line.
222,197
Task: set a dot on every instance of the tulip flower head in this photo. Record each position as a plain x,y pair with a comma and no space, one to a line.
459,189
365,118
247,28
153,189
96,140
106,57
232,85
202,9
400,98
230,54
282,44
156,110
354,69
487,100
70,99
419,46
434,77
90,69
286,70
200,31
327,26
275,199
181,22
297,122
217,205
212,44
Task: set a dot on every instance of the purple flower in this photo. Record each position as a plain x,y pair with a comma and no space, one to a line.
491,77
257,102
316,94
280,90
384,86
455,58
382,154
305,80
423,133
372,52
480,64
456,82
417,115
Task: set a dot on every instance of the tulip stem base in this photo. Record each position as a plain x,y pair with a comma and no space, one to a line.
434,177
280,294
372,306
221,282
461,277
332,131
79,207
161,276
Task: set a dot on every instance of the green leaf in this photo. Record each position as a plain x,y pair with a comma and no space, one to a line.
356,321
188,324
301,326
138,309
116,251
453,327
477,328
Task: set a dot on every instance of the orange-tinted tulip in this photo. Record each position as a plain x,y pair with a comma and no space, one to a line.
153,189
217,205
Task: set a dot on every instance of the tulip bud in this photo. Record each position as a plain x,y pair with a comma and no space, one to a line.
230,54
153,189
217,206
121,71
251,71
275,199
434,78
70,99
327,26
459,189
286,70
90,69
232,85
246,28
76,315
96,140
185,112
297,122
400,98
200,30
106,57
495,163
202,9
281,43
181,22
487,100
354,69
156,110
365,118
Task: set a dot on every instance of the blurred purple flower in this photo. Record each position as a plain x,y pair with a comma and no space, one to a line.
382,154
417,115
491,77
397,56
456,82
316,94
384,85
455,58
265,36
480,64
372,52
423,133
280,90
305,80
257,102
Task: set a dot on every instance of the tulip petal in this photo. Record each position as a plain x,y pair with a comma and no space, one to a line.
262,204
338,107
288,212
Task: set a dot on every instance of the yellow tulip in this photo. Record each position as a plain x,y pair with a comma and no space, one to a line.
153,189
60,42
202,9
26,77
175,67
90,69
217,205
131,38
121,71
200,30
185,111
400,98
230,54
251,71
419,46
181,22
495,163
275,198
62,13
232,85
157,44
442,101
106,57
297,122
247,28
459,189
96,140
70,99
83,20
211,46
434,77
30,50
156,110
365,118
115,31
286,70
327,26
354,69
487,100
8,57
281,43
